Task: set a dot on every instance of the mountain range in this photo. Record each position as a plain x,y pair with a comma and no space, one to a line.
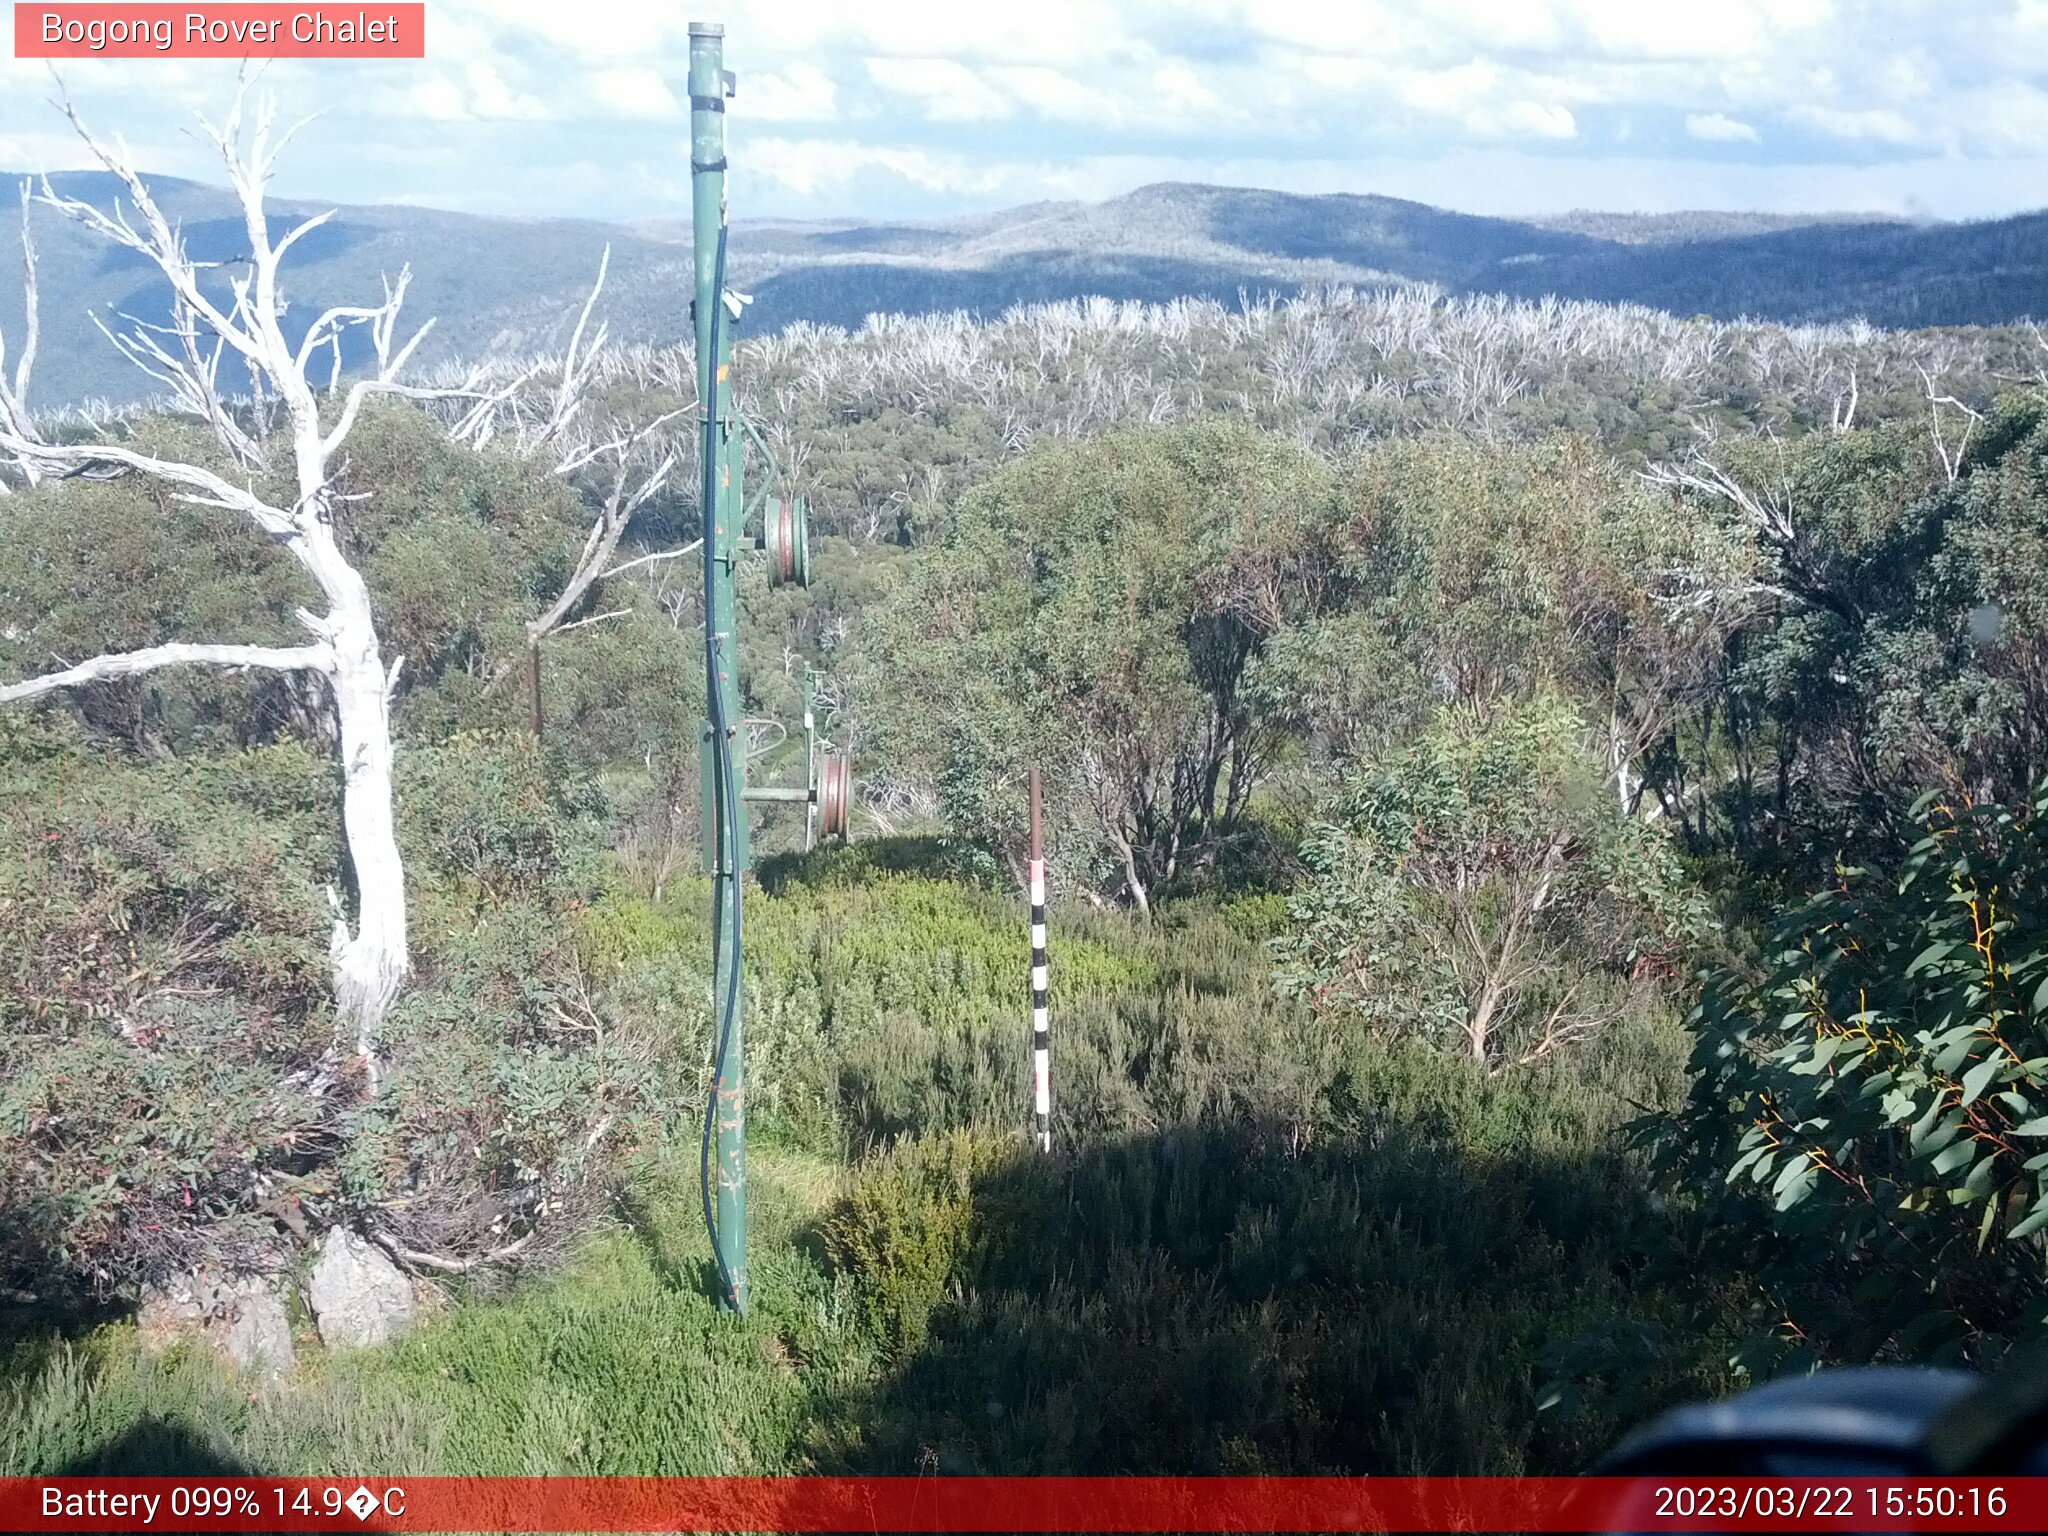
512,284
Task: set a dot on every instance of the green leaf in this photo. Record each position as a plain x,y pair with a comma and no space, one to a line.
1796,1183
1951,1158
2032,1128
1742,1163
1980,1182
1979,1077
2032,1222
1953,1055
1925,1124
1814,1058
1944,1133
1929,955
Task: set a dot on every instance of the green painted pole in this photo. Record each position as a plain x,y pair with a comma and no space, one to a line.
708,89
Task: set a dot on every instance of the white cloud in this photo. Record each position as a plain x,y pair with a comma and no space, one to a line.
1182,91
1880,123
2007,117
1487,100
799,92
1055,32
1719,128
636,91
1169,98
478,93
949,91
1523,119
1055,94
927,102
458,30
1441,31
807,166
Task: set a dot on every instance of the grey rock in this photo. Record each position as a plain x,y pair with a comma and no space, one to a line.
359,1297
174,1312
256,1331
244,1318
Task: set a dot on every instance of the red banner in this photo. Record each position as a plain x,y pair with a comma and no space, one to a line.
1005,1504
215,31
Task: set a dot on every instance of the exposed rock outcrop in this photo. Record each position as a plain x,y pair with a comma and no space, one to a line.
358,1296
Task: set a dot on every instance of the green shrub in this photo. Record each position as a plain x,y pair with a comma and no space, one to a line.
477,808
171,1087
1484,889
162,981
1225,1294
903,1230
1869,1114
1096,609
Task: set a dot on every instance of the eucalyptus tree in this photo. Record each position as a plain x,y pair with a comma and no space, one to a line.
1098,609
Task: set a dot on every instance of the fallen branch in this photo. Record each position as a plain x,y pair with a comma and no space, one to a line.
447,1266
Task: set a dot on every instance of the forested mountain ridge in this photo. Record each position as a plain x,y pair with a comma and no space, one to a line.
502,285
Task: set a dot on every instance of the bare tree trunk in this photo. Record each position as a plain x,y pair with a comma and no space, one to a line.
370,966
1132,883
598,548
1479,1023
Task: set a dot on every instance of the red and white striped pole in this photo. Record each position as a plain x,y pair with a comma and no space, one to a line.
1041,1017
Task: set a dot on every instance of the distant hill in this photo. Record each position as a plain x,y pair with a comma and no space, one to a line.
510,283
485,282
1693,224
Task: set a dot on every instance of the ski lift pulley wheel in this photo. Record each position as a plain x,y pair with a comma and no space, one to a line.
835,795
785,538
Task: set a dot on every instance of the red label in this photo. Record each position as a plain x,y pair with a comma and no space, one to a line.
1015,1504
216,31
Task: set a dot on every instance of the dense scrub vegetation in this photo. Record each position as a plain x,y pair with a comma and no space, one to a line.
1335,1251
1417,763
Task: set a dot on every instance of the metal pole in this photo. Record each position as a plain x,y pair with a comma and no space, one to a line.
727,1115
810,759
1041,1013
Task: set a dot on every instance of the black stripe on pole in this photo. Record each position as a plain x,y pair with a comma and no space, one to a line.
1041,1017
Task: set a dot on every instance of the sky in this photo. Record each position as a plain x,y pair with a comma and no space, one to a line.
926,108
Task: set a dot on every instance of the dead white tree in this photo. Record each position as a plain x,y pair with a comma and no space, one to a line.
14,412
1768,505
640,472
593,564
1950,455
1843,412
369,958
